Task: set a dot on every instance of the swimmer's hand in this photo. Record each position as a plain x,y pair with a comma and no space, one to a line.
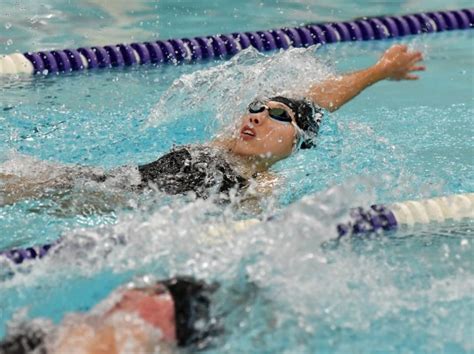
399,63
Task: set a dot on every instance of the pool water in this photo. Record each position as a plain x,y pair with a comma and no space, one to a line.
286,286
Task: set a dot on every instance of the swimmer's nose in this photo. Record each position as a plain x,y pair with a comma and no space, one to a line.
255,120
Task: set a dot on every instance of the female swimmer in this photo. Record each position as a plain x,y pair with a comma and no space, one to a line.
270,131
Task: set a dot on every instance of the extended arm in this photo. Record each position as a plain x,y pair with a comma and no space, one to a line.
397,63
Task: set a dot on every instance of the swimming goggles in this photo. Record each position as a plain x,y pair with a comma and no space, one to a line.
278,114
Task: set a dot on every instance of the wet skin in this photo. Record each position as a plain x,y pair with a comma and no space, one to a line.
260,140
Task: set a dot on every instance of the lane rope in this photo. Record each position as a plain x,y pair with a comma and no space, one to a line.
222,46
377,218
391,217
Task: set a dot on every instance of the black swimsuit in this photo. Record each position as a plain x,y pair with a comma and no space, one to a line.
200,169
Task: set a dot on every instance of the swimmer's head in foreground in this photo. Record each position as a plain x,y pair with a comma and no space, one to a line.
179,308
273,128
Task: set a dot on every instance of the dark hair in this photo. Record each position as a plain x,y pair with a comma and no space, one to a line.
25,340
307,115
192,304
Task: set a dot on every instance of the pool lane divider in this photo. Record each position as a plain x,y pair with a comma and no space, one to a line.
362,221
385,218
226,45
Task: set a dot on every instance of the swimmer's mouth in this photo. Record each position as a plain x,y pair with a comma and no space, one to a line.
247,133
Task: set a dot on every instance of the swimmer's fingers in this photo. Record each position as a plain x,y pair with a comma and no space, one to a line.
416,57
411,77
418,68
398,47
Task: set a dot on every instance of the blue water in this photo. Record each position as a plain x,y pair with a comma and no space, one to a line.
286,287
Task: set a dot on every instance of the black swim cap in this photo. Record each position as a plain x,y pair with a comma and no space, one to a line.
194,323
307,115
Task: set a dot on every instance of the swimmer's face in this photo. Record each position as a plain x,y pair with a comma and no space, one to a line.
262,136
